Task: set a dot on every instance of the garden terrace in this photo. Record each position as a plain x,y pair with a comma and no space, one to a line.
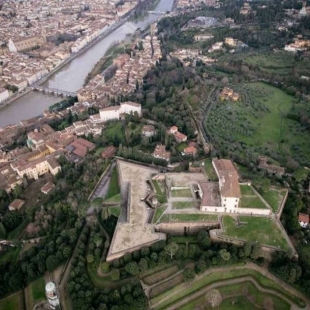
264,230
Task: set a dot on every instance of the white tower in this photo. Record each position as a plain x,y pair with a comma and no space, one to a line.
51,294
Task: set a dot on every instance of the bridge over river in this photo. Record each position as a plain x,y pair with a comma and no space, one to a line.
54,91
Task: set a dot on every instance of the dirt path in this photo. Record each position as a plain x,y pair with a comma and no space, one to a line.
252,266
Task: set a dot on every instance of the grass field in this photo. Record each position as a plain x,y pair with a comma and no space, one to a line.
189,217
99,150
12,302
247,190
243,294
181,146
182,204
181,193
116,198
210,170
10,255
114,188
37,290
116,211
179,292
251,202
259,121
274,198
160,192
260,229
161,275
159,211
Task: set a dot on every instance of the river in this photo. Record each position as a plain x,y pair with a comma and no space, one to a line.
71,77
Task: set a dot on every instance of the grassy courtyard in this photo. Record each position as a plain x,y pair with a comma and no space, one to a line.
260,229
210,170
159,211
189,218
252,202
181,192
116,211
274,197
183,204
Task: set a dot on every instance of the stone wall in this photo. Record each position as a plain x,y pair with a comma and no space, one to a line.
190,227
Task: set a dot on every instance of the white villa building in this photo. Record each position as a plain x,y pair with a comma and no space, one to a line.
51,294
224,196
116,112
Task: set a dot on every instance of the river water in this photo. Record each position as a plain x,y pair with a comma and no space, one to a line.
71,77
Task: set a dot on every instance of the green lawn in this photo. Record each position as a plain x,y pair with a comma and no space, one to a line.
210,170
189,218
181,146
182,204
177,293
116,211
259,121
10,255
114,188
247,190
37,289
260,229
274,198
159,211
116,198
12,302
252,202
160,193
182,193
99,150
157,187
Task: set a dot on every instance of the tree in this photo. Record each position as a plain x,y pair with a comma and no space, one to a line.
256,250
214,298
171,249
225,255
90,258
132,268
115,274
105,266
247,249
97,202
188,274
143,264
204,239
97,239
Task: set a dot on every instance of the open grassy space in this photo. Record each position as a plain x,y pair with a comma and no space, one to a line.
10,255
116,211
181,193
259,121
37,289
114,188
161,275
252,202
181,146
182,204
159,211
247,190
189,217
184,239
210,170
260,229
116,198
99,150
243,294
160,192
274,198
181,291
12,302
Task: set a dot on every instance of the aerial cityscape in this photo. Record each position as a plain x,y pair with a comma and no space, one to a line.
154,154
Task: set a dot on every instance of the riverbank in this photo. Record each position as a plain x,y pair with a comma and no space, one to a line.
22,93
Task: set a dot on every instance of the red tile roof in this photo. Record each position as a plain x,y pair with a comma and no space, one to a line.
303,218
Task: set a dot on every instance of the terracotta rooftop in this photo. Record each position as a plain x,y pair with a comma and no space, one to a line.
228,177
16,204
303,218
